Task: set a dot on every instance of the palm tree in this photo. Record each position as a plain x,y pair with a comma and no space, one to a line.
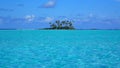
61,25
50,25
63,22
71,25
58,23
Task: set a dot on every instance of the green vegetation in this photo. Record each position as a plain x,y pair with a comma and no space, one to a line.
67,25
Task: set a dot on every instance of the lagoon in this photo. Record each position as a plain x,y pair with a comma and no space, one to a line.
59,48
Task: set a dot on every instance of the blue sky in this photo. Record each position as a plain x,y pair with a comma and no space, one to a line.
86,14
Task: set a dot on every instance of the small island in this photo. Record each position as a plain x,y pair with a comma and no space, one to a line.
61,25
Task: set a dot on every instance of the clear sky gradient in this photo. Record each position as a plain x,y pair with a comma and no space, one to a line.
86,14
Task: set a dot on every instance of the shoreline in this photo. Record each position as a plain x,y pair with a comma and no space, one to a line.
60,29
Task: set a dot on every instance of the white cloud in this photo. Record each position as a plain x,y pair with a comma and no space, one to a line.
45,19
48,19
91,15
30,18
49,4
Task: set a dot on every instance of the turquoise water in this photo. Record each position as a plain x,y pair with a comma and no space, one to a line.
59,49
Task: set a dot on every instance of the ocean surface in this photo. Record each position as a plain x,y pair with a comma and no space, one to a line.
59,49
